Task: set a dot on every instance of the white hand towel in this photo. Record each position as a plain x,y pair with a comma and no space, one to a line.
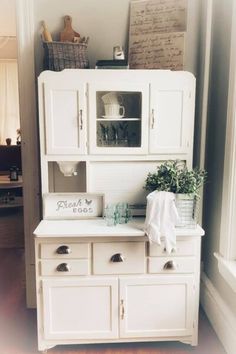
161,218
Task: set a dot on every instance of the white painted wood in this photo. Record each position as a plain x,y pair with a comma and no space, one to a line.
76,250
203,82
133,254
75,267
228,214
171,116
183,248
219,314
180,265
81,308
63,286
65,117
98,228
29,145
118,183
227,269
99,300
155,306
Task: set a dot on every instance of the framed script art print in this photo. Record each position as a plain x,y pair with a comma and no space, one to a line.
72,206
157,34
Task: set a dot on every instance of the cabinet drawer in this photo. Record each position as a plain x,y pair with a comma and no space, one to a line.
167,265
64,250
183,248
67,268
119,258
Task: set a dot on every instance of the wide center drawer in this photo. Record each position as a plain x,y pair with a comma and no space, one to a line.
64,250
119,258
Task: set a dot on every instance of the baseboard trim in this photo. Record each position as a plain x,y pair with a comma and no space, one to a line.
219,314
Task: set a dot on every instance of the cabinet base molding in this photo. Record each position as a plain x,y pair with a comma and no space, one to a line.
218,313
46,346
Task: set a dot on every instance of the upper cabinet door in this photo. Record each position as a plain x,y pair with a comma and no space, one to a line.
118,117
65,117
172,115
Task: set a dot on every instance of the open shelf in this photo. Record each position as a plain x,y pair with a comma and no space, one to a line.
118,119
6,183
16,203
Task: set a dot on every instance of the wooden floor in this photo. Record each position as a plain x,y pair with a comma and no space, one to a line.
18,324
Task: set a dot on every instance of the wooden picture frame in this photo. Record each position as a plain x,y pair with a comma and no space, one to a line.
72,206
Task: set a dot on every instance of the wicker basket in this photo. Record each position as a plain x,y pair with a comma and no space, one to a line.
65,55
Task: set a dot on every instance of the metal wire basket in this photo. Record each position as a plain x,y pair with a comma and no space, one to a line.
188,210
65,55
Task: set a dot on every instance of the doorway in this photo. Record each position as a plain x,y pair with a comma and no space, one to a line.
11,183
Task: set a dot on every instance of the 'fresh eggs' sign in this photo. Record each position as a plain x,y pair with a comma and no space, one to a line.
72,205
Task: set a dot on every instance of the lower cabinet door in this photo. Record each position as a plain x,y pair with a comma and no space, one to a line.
156,306
80,309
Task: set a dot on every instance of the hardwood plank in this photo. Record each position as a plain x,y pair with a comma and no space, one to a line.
11,228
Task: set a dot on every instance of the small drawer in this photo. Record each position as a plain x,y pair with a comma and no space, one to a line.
64,250
172,265
70,267
183,248
119,258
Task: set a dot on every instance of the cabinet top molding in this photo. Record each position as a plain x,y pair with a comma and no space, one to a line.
91,74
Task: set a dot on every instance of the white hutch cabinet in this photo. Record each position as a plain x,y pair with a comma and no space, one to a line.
95,283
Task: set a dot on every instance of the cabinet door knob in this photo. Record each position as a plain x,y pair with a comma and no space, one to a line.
170,265
63,250
152,119
81,119
117,258
122,309
63,267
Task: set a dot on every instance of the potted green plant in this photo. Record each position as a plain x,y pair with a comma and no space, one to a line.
173,176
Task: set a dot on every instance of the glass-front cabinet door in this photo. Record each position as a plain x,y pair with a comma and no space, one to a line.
118,118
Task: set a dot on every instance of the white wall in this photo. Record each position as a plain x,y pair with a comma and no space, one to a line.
222,13
8,46
106,22
7,18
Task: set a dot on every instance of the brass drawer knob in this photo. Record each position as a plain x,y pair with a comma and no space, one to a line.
170,265
117,258
63,267
63,250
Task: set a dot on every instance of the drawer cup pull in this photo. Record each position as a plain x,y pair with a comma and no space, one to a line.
117,258
63,250
170,265
63,267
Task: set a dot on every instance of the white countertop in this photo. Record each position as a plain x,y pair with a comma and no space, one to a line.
98,228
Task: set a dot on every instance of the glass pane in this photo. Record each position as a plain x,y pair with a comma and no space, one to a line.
118,134
119,115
